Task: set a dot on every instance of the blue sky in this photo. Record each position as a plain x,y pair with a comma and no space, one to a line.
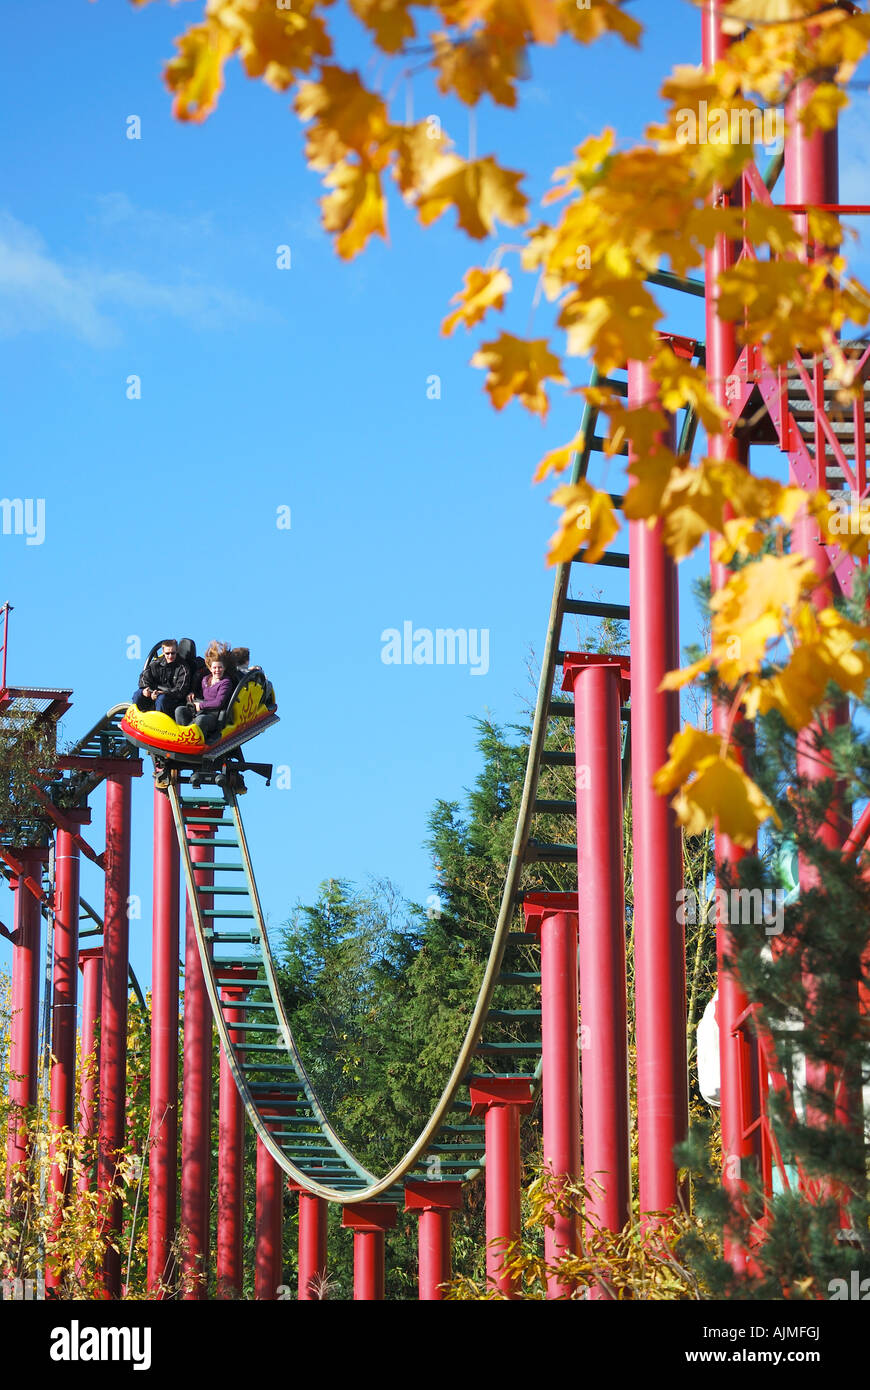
264,388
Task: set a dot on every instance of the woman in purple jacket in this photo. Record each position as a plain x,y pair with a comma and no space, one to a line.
216,687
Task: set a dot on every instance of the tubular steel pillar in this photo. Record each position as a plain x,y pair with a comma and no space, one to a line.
738,1148
91,966
162,1157
601,687
553,918
433,1202
269,1256
196,1101
312,1244
24,1031
659,945
231,1155
113,1019
500,1100
368,1221
812,177
63,1031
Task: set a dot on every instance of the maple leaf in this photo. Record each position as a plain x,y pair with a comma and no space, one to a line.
357,209
720,793
686,750
693,504
653,471
588,520
484,64
588,24
535,19
517,368
830,649
675,680
613,318
345,113
593,159
722,796
484,290
822,111
740,537
420,155
771,11
683,384
196,75
275,44
388,20
481,191
753,606
557,460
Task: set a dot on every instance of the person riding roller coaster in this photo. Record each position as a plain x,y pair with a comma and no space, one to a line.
193,716
165,681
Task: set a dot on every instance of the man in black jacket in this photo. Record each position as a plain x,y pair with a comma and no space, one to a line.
165,681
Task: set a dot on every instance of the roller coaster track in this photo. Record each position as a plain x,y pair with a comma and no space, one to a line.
267,1067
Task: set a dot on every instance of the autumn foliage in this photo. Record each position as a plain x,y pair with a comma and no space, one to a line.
630,212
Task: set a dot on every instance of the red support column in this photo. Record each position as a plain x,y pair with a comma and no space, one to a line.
113,1018
552,917
231,1154
368,1221
500,1100
659,943
24,1031
196,1101
812,177
601,687
433,1201
91,966
162,1157
722,355
312,1244
269,1256
63,1031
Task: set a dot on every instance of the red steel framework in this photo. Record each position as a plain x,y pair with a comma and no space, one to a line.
581,935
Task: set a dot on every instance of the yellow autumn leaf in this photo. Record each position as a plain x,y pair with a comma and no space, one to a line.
483,194
822,111
755,605
484,290
686,750
342,108
484,64
389,21
830,649
771,11
588,23
356,209
196,75
519,19
613,318
721,796
421,156
557,460
675,680
844,521
588,520
517,369
653,472
274,44
720,791
740,536
683,384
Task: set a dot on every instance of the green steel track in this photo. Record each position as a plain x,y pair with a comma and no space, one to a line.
503,1035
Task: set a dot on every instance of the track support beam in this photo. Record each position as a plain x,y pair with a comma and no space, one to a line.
501,1100
433,1202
